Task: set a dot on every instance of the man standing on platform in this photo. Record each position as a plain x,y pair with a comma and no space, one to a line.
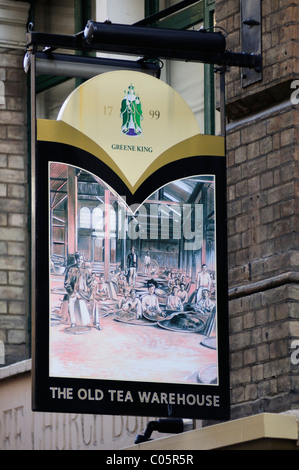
132,264
203,281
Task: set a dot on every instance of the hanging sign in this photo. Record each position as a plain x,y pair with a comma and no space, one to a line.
131,270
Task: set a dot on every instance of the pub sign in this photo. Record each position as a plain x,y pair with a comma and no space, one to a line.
130,313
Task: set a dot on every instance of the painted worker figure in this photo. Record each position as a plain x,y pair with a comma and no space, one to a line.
132,264
133,304
78,285
124,298
147,263
205,304
203,281
102,289
183,294
171,282
150,302
174,302
95,303
121,282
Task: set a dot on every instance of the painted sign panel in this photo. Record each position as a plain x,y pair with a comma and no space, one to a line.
131,272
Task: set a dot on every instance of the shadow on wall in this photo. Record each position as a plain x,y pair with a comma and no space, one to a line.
2,353
2,93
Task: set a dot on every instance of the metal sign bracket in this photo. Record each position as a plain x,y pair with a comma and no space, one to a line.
251,38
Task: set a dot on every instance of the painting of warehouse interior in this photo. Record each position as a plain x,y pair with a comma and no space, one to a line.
151,265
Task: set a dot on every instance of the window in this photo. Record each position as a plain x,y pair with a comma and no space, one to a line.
84,217
98,219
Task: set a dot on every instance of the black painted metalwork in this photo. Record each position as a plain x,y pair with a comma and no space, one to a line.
198,46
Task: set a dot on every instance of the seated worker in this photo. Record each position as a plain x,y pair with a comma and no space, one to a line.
121,283
124,298
102,289
133,304
78,283
204,305
150,302
174,302
183,294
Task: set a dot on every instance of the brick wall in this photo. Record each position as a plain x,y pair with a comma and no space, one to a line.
14,265
262,193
